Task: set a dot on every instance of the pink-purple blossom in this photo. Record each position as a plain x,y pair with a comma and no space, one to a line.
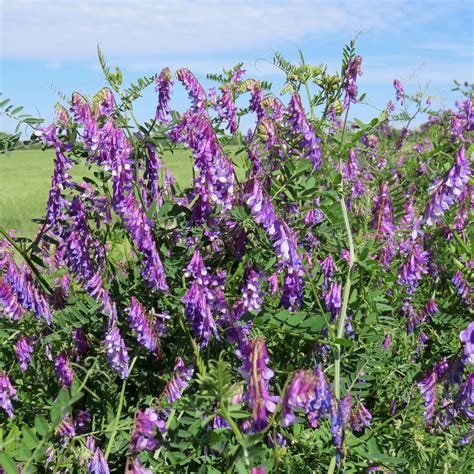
7,394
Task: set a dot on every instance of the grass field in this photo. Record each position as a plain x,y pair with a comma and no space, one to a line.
25,178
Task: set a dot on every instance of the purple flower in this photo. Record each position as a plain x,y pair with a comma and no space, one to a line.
153,164
337,429
116,351
400,92
447,190
256,98
462,287
464,399
137,318
386,253
415,265
143,436
60,180
425,315
467,338
383,213
77,242
98,464
199,300
351,169
63,370
28,295
163,87
427,387
293,286
360,417
409,214
9,303
308,392
195,90
203,298
79,336
178,382
139,227
431,308
422,339
345,255
350,86
300,127
252,295
285,244
328,267
387,341
332,299
237,75
7,392
215,180
97,291
80,108
47,135
82,421
257,375
135,466
23,351
66,430
273,283
228,108
313,216
104,101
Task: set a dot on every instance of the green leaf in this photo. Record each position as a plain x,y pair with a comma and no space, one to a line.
345,342
30,440
7,462
41,425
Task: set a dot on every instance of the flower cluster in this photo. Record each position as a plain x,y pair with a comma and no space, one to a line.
446,191
308,392
7,393
203,299
284,239
117,353
299,126
257,374
142,325
178,382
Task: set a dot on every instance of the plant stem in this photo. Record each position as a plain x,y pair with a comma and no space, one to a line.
345,303
309,100
347,287
236,431
119,413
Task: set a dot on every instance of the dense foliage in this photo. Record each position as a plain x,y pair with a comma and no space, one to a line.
305,307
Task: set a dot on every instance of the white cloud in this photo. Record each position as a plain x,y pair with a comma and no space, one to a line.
62,30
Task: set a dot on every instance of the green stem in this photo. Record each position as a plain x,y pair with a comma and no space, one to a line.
308,93
332,465
347,286
119,412
345,302
236,431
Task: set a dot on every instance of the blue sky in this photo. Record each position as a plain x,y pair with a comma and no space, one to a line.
51,44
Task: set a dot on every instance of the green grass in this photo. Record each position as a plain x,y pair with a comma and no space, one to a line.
25,179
